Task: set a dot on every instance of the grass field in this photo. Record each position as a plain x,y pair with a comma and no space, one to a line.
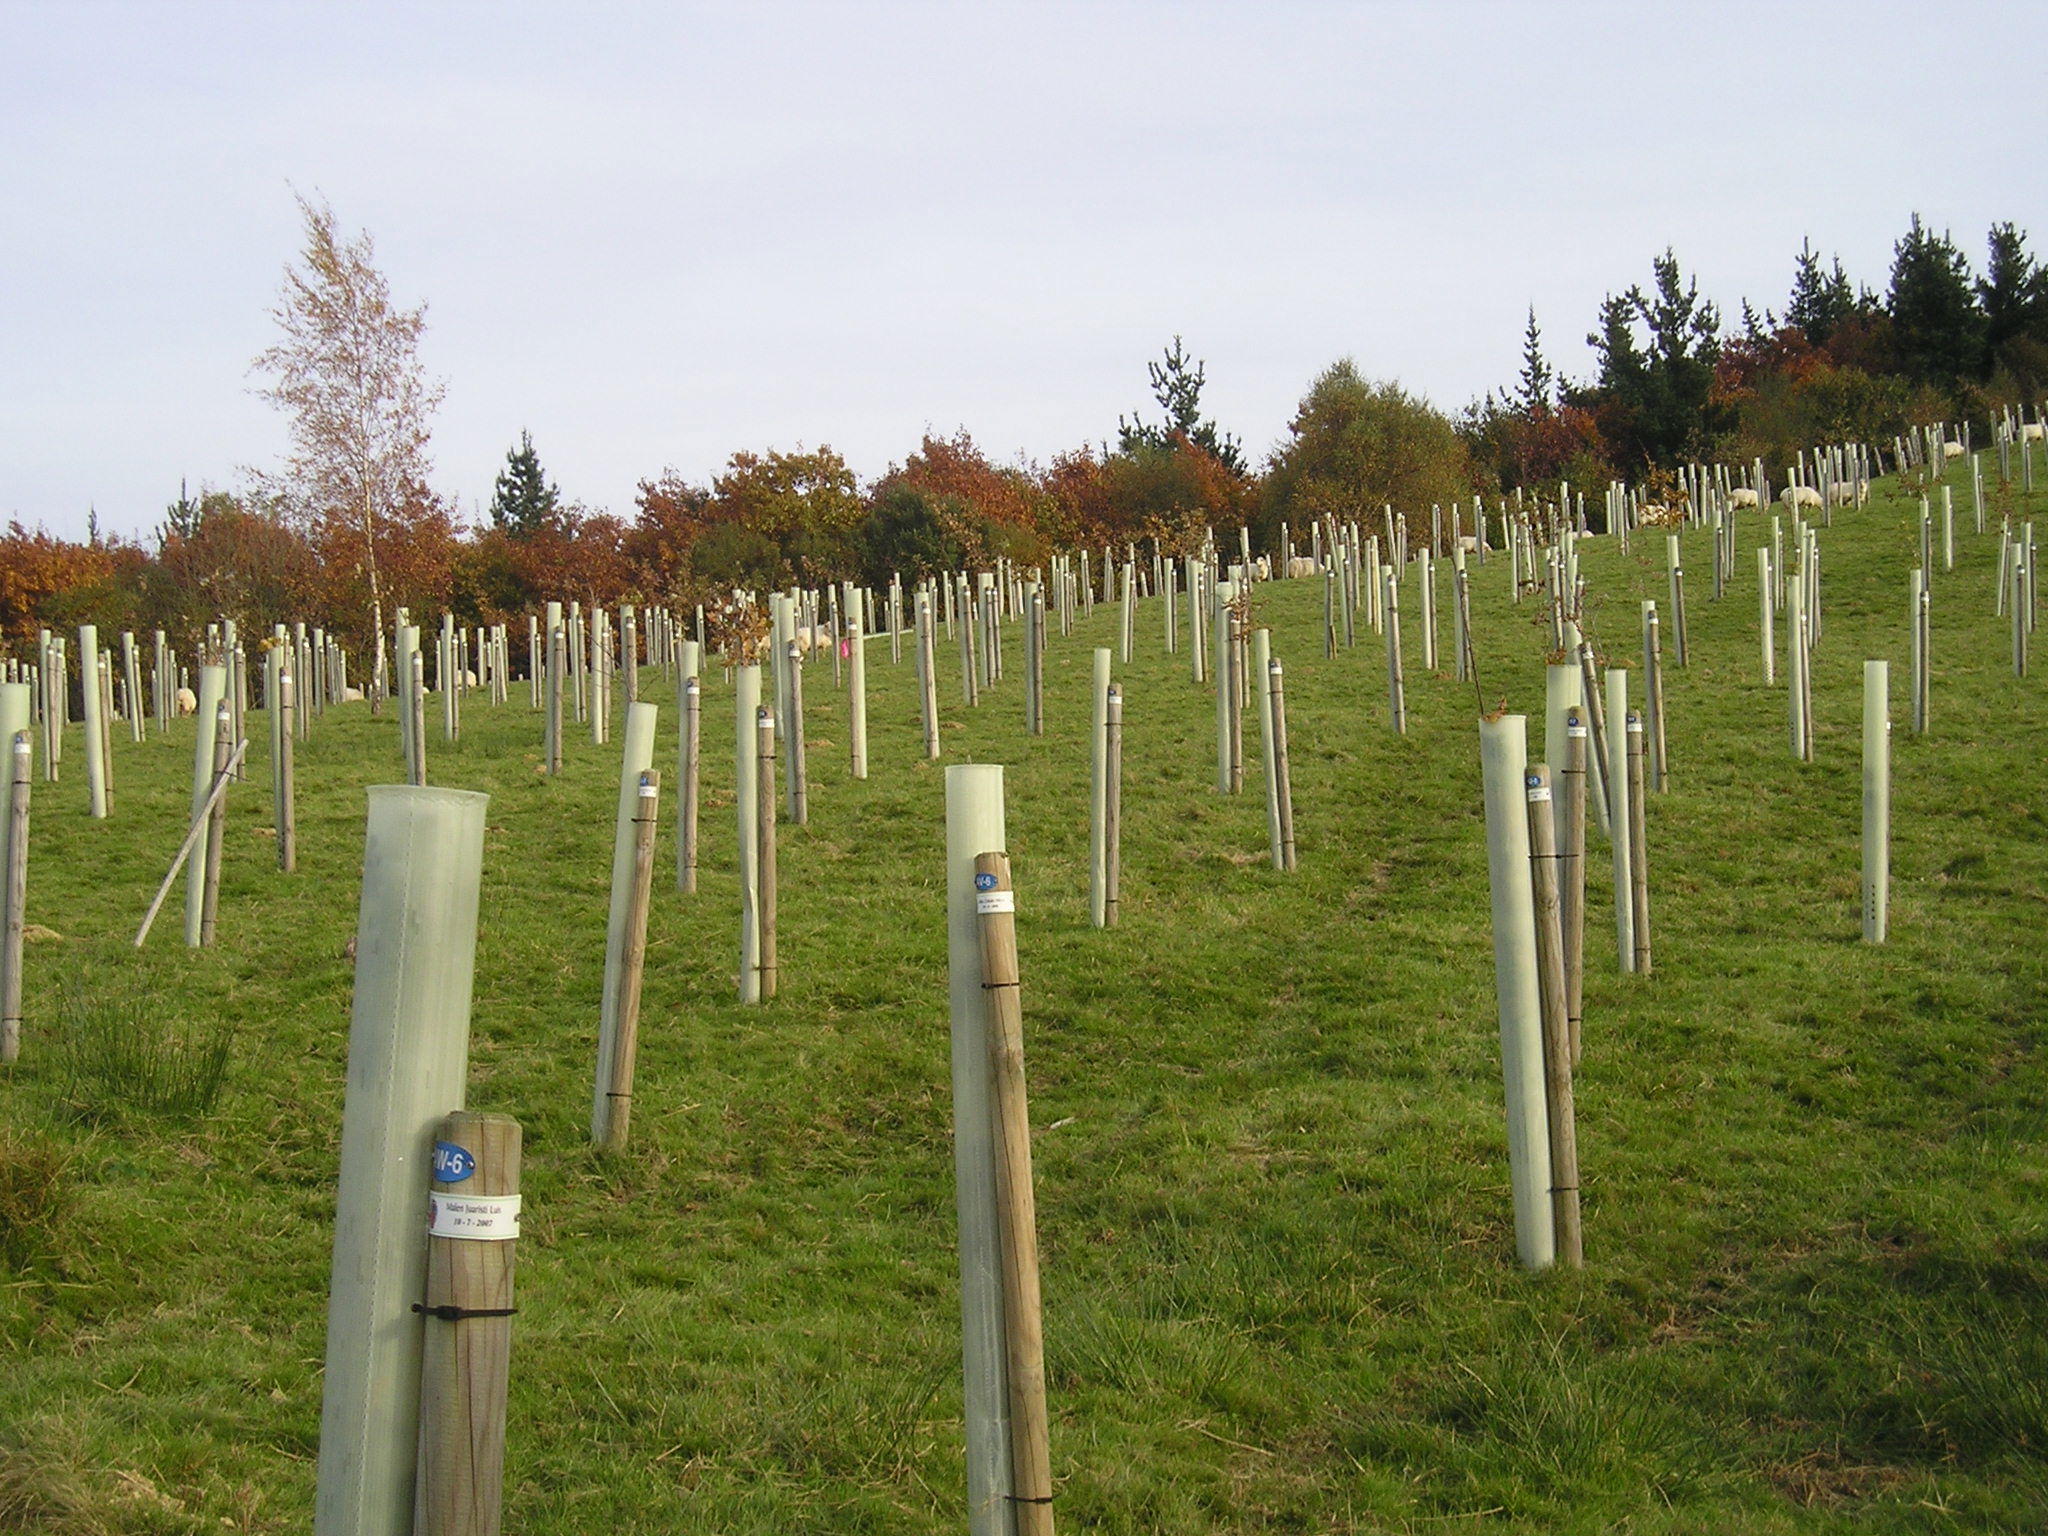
1280,1286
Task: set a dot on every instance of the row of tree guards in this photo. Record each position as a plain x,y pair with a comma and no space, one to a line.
428,1211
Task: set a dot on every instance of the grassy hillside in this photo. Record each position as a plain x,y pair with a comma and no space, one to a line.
1279,1276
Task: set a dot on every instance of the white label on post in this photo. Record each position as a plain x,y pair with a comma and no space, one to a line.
994,901
479,1218
1538,793
1574,731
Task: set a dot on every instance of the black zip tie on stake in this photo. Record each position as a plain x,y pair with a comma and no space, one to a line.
1018,1498
454,1314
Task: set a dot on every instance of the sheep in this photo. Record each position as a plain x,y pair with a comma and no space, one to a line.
2031,432
1847,493
1301,565
1951,450
351,695
1800,496
187,701
1742,498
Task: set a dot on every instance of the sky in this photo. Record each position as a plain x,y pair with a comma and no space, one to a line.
657,234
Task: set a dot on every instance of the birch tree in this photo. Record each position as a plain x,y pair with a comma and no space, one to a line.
346,371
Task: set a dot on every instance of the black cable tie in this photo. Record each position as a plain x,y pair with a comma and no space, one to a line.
1018,1498
453,1314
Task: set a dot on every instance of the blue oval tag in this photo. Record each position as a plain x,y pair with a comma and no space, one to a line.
452,1164
984,882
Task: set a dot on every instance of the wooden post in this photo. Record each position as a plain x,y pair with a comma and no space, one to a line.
1282,782
764,829
1112,803
14,895
1557,1053
287,814
1016,1216
216,824
618,1090
686,840
1638,871
466,1352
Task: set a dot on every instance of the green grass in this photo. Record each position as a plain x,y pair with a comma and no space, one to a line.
1280,1285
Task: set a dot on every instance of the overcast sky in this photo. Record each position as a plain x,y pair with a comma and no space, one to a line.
656,234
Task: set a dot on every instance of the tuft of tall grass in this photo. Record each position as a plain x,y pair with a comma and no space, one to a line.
33,1194
125,1045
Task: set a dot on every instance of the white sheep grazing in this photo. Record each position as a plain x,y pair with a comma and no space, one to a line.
351,695
187,701
1800,496
2031,432
1301,565
1846,493
1951,450
1741,498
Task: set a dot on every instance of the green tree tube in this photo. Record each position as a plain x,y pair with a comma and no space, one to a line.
974,826
1098,790
636,758
95,723
408,1050
746,701
213,683
1503,753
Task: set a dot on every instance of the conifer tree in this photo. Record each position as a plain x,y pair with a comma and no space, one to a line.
524,502
1937,326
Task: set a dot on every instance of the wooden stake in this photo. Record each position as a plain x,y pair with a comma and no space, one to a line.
466,1353
1557,1053
764,830
626,1034
1016,1214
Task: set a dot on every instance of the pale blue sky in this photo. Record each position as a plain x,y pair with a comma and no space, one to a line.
654,234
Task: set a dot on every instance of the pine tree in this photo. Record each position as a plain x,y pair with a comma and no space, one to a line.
1537,378
1177,387
524,502
1820,301
1937,326
2014,296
